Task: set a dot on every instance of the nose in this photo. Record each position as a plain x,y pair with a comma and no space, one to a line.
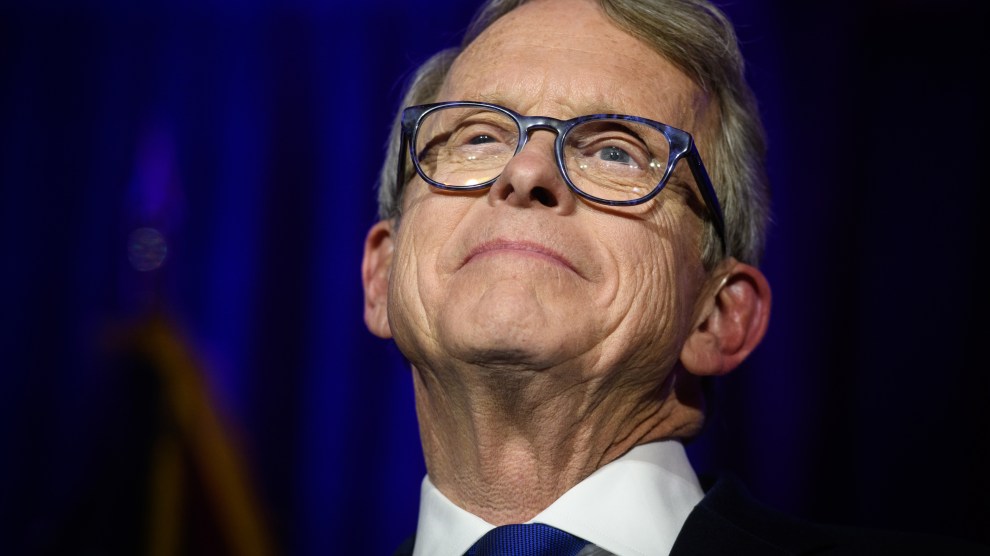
531,178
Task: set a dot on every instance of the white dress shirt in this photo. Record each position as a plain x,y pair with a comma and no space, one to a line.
634,506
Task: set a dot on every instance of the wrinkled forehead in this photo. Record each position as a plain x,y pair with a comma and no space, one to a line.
566,58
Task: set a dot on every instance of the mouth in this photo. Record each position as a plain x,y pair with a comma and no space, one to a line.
519,248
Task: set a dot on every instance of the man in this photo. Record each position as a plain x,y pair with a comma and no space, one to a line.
561,283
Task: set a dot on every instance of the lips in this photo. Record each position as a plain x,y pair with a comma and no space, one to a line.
519,247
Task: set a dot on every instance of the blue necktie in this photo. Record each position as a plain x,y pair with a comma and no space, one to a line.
534,539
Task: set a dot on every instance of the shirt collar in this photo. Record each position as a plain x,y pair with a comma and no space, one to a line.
633,506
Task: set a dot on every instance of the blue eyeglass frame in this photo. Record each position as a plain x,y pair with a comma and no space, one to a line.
681,146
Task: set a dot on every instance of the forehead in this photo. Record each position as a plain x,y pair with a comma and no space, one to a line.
565,58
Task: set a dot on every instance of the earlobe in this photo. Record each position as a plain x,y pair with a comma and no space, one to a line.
375,269
732,324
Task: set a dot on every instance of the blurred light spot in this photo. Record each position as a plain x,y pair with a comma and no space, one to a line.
146,249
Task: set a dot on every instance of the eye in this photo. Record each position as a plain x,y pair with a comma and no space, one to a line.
615,154
481,139
480,134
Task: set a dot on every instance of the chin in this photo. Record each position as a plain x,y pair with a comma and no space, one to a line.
516,344
516,323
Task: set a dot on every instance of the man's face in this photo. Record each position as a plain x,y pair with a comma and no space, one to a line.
526,275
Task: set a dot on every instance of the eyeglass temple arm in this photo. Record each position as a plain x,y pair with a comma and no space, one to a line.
708,193
400,167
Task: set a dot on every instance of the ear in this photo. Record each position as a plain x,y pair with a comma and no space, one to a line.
375,270
732,322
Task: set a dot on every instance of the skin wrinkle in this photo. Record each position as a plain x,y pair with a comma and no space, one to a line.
669,255
501,410
596,382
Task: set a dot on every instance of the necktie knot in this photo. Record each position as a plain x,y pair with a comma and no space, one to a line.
532,539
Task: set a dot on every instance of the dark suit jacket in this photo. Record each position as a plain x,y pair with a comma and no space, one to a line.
728,521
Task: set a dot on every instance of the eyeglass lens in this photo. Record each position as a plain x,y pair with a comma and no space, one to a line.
613,159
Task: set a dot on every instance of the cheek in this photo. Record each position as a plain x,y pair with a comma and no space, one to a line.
435,222
416,281
405,307
653,296
646,298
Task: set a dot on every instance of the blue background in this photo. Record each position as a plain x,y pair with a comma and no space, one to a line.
250,135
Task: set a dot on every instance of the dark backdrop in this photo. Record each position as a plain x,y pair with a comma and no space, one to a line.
249,136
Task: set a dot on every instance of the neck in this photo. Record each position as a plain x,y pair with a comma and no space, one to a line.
504,444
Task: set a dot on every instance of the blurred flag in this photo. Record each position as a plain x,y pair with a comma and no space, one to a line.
201,494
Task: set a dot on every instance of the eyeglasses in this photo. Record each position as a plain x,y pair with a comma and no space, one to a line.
609,159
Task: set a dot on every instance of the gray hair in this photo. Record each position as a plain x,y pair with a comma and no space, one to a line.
699,39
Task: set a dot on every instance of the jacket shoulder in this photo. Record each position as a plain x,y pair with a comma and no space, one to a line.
406,548
730,521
